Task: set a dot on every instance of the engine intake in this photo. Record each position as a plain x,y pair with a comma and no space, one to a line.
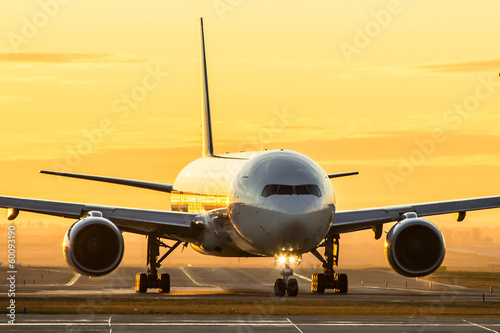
414,247
93,246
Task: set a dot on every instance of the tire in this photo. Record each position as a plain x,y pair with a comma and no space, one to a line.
141,282
321,283
279,288
314,283
164,283
342,283
293,288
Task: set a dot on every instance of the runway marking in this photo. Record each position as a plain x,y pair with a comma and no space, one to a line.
441,284
109,323
169,324
183,269
477,325
400,289
303,277
73,280
298,275
260,323
298,329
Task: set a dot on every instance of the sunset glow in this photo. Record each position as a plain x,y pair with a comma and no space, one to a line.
405,92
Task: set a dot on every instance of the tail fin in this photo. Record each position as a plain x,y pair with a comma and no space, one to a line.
208,147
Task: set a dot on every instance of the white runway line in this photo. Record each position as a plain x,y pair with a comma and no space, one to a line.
451,286
298,329
400,289
260,323
184,270
109,323
303,277
477,325
73,280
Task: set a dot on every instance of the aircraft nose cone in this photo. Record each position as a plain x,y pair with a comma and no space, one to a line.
303,221
294,207
294,215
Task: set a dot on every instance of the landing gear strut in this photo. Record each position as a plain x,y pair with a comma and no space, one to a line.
285,284
329,279
152,279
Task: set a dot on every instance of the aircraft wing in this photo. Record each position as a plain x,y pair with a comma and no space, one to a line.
354,220
128,182
174,225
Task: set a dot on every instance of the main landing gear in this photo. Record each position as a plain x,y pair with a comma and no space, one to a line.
152,279
329,279
285,284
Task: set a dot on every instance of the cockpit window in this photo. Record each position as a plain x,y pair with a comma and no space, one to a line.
308,189
301,189
285,189
270,190
313,189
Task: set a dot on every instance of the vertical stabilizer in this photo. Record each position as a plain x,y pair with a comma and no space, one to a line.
208,147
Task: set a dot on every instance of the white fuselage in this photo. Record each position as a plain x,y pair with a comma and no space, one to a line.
274,202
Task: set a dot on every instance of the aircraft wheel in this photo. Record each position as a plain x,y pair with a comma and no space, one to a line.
279,287
321,283
141,282
342,283
314,283
164,283
293,288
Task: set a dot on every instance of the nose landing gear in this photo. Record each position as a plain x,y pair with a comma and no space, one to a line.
285,284
329,279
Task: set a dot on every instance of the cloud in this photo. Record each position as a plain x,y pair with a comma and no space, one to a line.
469,66
64,58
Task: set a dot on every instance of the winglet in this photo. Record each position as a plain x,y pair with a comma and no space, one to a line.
208,147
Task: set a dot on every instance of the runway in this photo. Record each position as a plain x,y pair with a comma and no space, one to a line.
250,286
162,323
236,282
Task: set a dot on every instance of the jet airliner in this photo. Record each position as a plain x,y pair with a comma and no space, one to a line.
276,203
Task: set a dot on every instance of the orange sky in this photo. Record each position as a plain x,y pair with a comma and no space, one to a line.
405,92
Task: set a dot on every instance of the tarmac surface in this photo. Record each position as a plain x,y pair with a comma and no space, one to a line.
241,283
236,282
162,323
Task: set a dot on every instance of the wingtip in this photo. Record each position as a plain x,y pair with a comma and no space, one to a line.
342,174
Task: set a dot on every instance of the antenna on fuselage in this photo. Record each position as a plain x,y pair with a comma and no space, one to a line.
208,146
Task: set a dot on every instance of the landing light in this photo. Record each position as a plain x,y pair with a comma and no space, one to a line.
288,259
12,213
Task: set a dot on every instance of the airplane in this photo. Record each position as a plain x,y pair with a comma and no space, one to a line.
276,203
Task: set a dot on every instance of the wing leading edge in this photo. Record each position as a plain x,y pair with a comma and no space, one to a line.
354,220
121,181
174,225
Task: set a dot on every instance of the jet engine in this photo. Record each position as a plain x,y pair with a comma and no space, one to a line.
414,247
93,246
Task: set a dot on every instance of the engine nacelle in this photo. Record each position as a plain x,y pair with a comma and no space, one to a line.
414,247
93,246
